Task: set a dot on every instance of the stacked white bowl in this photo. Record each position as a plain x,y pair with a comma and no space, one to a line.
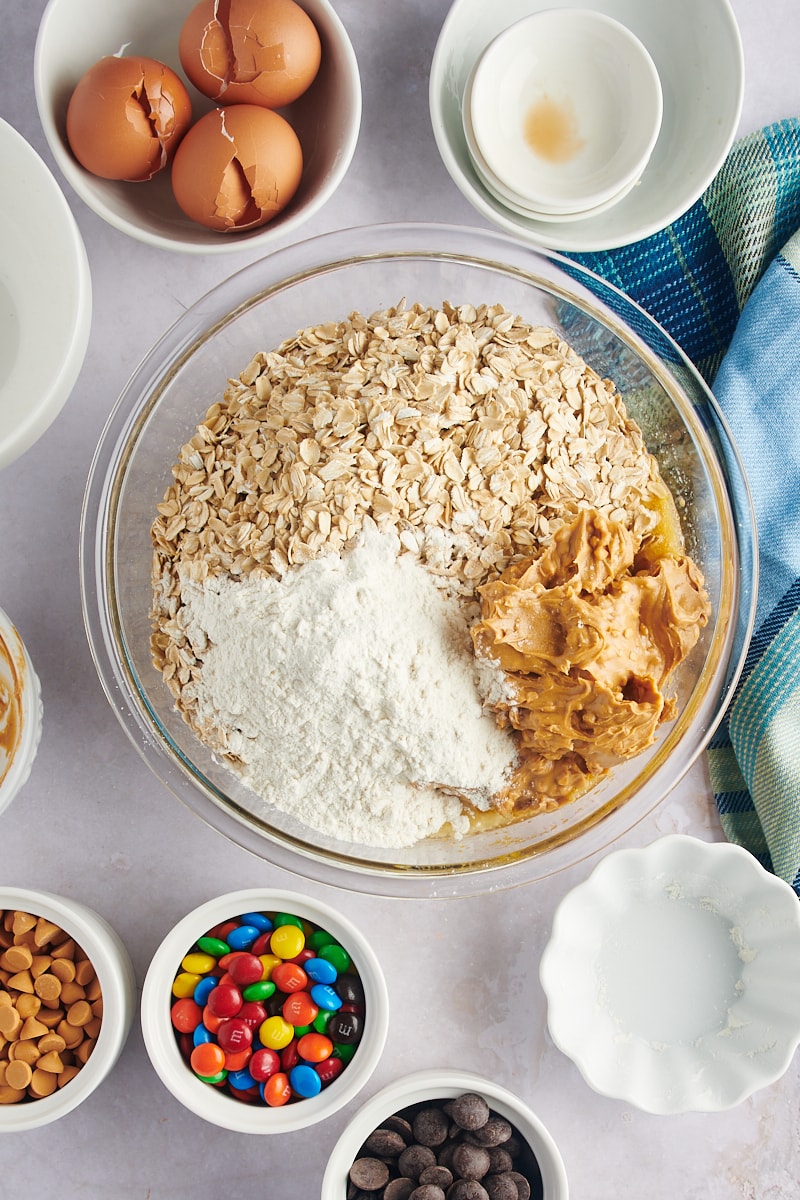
561,113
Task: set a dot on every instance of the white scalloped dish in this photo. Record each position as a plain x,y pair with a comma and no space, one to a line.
672,976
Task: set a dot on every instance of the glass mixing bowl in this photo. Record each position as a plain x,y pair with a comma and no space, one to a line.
326,278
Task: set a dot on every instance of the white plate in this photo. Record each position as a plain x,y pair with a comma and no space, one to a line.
45,297
697,51
672,976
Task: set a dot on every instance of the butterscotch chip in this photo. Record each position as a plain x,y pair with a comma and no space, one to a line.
79,1013
84,972
51,1062
63,969
48,986
67,1074
46,932
51,1041
27,1051
72,1034
40,964
22,922
97,1007
10,1022
72,992
18,1075
5,999
92,1028
65,949
21,982
51,1016
28,1005
16,958
43,1083
32,1027
83,1051
9,1095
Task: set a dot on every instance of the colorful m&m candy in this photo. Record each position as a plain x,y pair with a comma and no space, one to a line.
268,1007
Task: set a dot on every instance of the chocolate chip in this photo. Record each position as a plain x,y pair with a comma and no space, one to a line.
439,1175
468,1111
430,1127
385,1143
427,1191
500,1160
400,1125
398,1189
501,1187
466,1189
523,1186
369,1174
470,1162
493,1133
414,1160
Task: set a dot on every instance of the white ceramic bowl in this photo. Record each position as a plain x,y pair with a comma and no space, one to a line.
444,1085
45,297
74,34
702,81
115,973
516,204
20,712
220,1108
673,976
565,107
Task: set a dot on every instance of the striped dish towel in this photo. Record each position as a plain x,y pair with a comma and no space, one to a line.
724,281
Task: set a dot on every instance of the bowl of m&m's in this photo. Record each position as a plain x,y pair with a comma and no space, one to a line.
264,1011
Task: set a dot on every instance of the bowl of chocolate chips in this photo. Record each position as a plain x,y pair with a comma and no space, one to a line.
445,1135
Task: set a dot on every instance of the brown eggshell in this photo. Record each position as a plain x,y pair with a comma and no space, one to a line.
237,168
250,51
126,117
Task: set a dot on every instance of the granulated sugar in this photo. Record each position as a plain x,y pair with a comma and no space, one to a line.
344,692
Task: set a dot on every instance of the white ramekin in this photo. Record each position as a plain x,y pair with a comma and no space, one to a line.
218,1107
111,962
444,1085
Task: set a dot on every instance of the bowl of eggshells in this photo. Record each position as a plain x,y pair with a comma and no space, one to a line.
200,128
418,560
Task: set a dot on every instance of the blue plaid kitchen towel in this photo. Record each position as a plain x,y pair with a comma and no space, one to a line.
724,281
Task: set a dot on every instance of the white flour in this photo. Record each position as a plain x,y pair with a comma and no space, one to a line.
344,690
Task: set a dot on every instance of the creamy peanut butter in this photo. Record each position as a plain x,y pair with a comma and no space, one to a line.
588,633
11,685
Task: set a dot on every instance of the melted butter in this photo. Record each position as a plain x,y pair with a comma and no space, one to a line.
10,706
551,130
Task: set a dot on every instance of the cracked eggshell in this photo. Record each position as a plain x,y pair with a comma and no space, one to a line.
250,51
237,168
126,117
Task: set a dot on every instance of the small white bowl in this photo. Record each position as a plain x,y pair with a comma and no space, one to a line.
20,712
672,976
74,34
702,79
444,1085
220,1108
511,200
566,107
114,970
45,297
